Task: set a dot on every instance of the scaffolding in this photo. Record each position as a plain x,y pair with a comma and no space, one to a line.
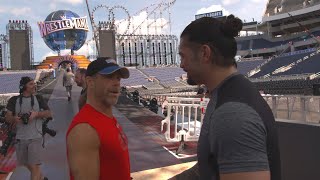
154,46
18,25
146,50
4,50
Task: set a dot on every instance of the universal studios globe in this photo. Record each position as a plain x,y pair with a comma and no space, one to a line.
62,37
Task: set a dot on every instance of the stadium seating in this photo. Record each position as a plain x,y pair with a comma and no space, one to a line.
166,75
243,45
301,85
172,84
277,63
136,79
259,42
310,65
245,66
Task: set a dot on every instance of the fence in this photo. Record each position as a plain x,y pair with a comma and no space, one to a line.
185,115
188,116
301,108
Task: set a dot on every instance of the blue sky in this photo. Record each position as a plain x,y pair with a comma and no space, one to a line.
183,12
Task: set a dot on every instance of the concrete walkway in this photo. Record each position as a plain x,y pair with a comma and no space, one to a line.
145,154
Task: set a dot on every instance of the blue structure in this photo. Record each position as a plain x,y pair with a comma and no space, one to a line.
65,39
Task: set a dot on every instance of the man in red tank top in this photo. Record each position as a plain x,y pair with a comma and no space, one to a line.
97,148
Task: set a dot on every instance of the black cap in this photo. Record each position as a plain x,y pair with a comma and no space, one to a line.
105,65
23,82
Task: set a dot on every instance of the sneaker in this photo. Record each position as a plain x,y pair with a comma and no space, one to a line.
69,98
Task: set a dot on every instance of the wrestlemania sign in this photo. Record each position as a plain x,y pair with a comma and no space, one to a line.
48,27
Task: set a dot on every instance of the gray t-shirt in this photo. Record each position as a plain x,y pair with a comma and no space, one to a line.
68,79
33,129
234,135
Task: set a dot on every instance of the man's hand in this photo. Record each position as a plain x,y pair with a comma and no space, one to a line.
33,115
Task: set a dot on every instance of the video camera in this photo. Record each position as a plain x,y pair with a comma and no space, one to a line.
46,130
11,135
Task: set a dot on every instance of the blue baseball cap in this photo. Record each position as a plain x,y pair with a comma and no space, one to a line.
106,65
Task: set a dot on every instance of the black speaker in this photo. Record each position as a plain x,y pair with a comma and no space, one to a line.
20,52
107,44
316,89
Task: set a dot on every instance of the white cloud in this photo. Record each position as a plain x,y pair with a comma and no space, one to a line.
48,54
260,1
139,25
242,12
213,8
53,6
20,11
73,2
230,2
87,49
3,9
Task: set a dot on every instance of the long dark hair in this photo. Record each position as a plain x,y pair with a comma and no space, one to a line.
219,35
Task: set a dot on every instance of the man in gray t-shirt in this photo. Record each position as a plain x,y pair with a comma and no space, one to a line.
68,80
28,129
238,139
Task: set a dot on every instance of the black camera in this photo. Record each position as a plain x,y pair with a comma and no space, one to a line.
25,118
46,130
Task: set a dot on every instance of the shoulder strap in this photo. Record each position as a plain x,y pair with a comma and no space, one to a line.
14,101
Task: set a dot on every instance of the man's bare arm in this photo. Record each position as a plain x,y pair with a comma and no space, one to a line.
261,175
44,114
10,118
83,152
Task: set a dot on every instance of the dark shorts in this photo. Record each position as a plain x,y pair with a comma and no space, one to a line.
29,152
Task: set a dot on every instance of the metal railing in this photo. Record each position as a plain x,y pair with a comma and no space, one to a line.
185,115
187,118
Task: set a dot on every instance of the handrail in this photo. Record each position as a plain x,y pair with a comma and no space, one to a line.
183,121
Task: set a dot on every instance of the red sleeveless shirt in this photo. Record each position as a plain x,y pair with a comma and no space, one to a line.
114,155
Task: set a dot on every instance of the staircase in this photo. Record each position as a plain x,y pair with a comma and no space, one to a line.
80,60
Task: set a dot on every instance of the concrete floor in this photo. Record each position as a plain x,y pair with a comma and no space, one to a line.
145,153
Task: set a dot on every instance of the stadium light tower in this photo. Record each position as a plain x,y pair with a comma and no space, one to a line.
4,44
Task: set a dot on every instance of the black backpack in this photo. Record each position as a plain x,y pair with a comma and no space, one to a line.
39,98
